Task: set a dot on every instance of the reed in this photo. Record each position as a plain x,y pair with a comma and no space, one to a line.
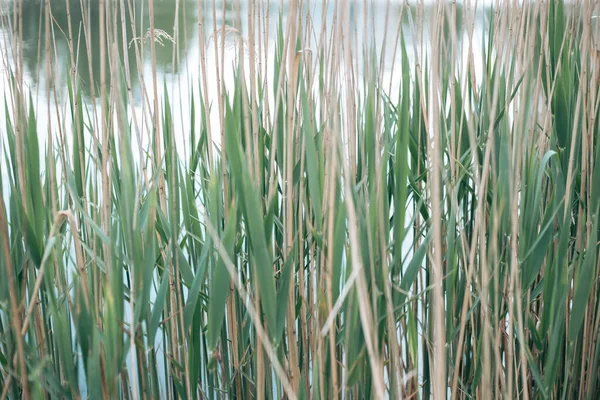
339,213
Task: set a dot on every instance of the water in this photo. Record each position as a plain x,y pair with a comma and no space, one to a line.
178,54
177,59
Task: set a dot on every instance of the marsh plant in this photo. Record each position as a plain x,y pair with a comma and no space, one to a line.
406,212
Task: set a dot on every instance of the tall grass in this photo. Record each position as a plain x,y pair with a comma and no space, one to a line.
412,215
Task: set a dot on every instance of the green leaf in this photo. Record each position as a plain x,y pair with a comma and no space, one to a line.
283,293
584,283
159,305
412,270
312,160
219,285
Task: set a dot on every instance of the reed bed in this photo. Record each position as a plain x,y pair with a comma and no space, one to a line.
412,215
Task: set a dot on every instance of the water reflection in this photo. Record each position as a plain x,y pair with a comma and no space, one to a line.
176,22
178,55
85,18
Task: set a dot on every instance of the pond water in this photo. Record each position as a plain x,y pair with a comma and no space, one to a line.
178,54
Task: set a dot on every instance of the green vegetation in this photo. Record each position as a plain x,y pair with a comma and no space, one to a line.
348,235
